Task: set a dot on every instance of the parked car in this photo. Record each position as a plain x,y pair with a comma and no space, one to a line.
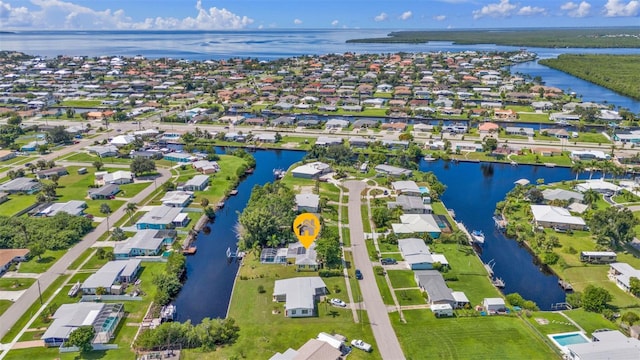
358,274
338,302
388,261
361,345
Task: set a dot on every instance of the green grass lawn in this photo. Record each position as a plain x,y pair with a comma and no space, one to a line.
40,265
4,305
263,333
81,103
16,203
590,321
402,279
590,137
410,297
385,292
490,337
131,190
556,322
90,158
15,284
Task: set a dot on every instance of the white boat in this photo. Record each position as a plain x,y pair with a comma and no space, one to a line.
429,158
477,236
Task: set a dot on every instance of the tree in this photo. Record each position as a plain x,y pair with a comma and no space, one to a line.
328,249
210,212
58,135
100,290
118,234
49,190
634,286
15,119
380,216
168,286
82,338
98,164
131,209
141,165
591,197
204,202
617,225
535,195
595,298
577,168
630,318
37,249
105,209
278,137
489,144
41,164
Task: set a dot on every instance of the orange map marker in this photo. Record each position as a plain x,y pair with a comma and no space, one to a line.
306,227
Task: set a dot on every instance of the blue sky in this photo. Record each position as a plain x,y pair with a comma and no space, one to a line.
287,14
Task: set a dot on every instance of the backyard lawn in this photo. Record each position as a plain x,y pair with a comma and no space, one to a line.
15,284
590,321
489,337
40,265
16,203
402,279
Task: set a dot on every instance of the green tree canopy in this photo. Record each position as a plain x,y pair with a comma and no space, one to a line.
82,337
595,298
614,224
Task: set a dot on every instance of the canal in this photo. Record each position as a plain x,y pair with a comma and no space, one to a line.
210,277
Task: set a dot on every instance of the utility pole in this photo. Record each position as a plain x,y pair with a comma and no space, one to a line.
39,291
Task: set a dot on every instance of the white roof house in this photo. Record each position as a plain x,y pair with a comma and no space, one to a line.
561,194
610,344
418,224
308,202
493,304
406,187
622,273
111,273
72,207
392,170
69,317
122,140
328,140
144,243
552,216
118,177
416,253
299,295
311,170
160,217
177,198
336,123
598,185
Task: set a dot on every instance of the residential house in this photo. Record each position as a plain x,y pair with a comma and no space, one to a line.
306,259
557,133
410,205
394,126
505,114
432,282
104,192
589,155
3,197
468,147
488,128
607,344
598,257
11,256
206,166
7,155
103,317
392,171
110,277
359,142
406,187
328,140
103,151
265,137
144,243
196,183
48,173
178,198
73,207
556,217
283,121
308,203
522,131
122,140
599,185
336,124
561,194
119,177
21,185
418,224
417,254
299,295
631,136
146,154
163,217
311,170
492,305
33,145
179,157
313,349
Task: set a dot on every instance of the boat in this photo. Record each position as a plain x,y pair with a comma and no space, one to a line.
477,236
249,171
220,205
168,313
565,285
278,173
498,282
74,290
550,165
429,158
233,192
191,250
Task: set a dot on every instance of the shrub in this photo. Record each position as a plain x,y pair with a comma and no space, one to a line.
329,273
378,270
550,258
450,277
261,289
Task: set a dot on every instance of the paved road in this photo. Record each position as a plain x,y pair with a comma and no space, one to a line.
11,316
386,338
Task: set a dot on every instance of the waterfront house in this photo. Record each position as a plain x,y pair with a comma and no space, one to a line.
598,257
104,192
206,166
392,171
110,277
144,243
631,136
492,305
607,344
68,317
336,124
418,224
488,128
21,185
179,157
517,130
11,256
468,147
48,173
311,170
178,198
328,140
432,283
406,187
163,217
299,295
557,133
359,142
621,274
308,203
196,183
561,194
598,185
556,217
410,205
417,254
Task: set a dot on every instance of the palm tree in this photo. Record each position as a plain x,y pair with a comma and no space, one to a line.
593,165
105,209
578,167
131,209
591,196
273,241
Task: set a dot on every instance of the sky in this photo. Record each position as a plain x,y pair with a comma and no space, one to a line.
307,14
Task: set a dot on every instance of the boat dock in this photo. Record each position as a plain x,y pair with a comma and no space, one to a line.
498,282
500,222
565,285
191,250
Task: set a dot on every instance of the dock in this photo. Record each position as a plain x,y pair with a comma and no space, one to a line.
191,250
233,192
498,282
220,205
500,222
565,285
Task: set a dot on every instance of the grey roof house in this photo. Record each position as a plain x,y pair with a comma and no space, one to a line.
308,202
144,243
110,275
104,192
69,317
21,185
299,295
410,205
432,282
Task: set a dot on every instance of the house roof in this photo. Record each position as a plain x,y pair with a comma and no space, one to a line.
313,168
197,180
7,255
392,170
416,223
299,292
554,214
433,283
561,194
407,203
405,186
177,197
68,317
73,207
160,215
109,273
117,175
315,349
20,184
308,200
105,190
608,347
144,240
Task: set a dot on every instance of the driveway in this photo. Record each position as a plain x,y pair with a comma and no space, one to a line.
385,336
11,316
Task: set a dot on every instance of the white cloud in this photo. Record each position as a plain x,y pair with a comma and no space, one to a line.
531,10
381,17
406,15
334,22
440,17
59,14
616,8
577,10
297,21
502,9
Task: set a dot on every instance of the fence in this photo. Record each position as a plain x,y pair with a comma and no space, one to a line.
87,298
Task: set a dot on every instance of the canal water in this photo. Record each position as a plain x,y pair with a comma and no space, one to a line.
210,277
473,189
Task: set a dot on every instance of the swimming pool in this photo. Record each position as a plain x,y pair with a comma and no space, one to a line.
109,323
563,339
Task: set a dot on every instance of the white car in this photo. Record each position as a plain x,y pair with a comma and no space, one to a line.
361,345
338,302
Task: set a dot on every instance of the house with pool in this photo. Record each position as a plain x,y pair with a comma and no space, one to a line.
104,318
603,344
